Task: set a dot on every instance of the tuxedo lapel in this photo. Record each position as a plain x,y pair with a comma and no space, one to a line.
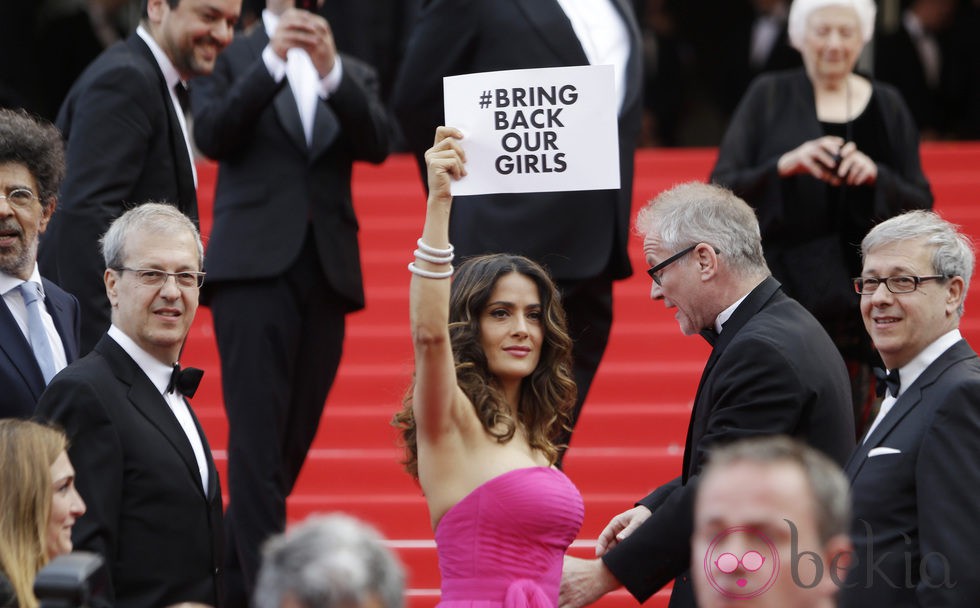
542,15
288,114
14,344
326,129
182,161
911,398
145,398
634,63
57,308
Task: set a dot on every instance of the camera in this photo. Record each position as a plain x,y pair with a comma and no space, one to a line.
72,580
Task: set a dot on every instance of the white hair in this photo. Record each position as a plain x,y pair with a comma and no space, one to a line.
801,10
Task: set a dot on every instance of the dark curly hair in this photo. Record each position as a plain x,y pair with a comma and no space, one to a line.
546,396
37,145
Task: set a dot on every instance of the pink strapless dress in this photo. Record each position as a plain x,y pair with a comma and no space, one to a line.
503,544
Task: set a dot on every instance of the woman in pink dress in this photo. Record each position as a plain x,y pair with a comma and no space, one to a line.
492,388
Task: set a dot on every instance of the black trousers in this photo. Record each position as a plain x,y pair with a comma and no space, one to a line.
588,308
280,342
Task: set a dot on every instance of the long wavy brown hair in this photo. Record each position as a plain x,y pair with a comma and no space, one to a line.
547,395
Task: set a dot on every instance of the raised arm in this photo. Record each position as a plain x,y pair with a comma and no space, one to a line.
435,375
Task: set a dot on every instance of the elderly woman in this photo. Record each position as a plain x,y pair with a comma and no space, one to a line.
823,154
38,506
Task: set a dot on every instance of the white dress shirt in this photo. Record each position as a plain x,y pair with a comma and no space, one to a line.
603,35
307,86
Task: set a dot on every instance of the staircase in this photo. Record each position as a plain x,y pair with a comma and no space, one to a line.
630,437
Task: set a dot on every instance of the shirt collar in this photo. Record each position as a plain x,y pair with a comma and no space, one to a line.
158,372
170,74
8,282
271,21
911,371
726,314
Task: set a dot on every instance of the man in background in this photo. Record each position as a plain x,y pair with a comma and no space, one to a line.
770,527
38,321
127,140
286,116
329,561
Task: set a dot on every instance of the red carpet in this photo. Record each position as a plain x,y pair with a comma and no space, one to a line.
631,435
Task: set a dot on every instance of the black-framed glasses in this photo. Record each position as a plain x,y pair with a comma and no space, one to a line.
19,197
151,277
866,286
656,271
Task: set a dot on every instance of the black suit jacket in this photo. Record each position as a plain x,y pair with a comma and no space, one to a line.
773,370
123,147
916,505
271,185
148,515
20,374
578,235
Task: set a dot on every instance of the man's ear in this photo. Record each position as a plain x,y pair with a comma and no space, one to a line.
954,294
706,258
111,280
46,213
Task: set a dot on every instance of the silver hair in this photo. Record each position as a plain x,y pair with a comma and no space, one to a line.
151,217
695,212
329,561
800,11
828,485
952,255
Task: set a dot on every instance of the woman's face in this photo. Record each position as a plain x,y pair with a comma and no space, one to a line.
832,42
66,507
511,329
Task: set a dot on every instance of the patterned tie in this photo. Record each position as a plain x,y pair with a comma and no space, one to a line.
35,329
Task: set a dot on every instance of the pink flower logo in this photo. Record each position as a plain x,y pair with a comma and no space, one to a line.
741,563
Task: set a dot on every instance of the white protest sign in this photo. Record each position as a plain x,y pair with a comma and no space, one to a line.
541,130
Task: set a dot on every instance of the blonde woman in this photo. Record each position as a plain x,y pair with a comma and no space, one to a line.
38,506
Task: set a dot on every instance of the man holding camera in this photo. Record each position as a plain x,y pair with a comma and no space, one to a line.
286,116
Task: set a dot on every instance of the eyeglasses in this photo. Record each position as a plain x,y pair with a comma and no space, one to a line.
19,197
867,286
157,278
656,272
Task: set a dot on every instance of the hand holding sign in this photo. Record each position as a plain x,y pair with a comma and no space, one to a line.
541,130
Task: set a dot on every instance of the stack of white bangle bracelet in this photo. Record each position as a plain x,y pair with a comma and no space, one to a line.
432,255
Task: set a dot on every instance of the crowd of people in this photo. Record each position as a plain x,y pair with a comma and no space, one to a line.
809,259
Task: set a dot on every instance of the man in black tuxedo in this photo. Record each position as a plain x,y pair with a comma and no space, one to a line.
580,237
773,370
32,164
144,466
915,476
286,116
127,140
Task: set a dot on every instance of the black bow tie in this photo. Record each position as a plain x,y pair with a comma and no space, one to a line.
709,334
185,381
891,380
